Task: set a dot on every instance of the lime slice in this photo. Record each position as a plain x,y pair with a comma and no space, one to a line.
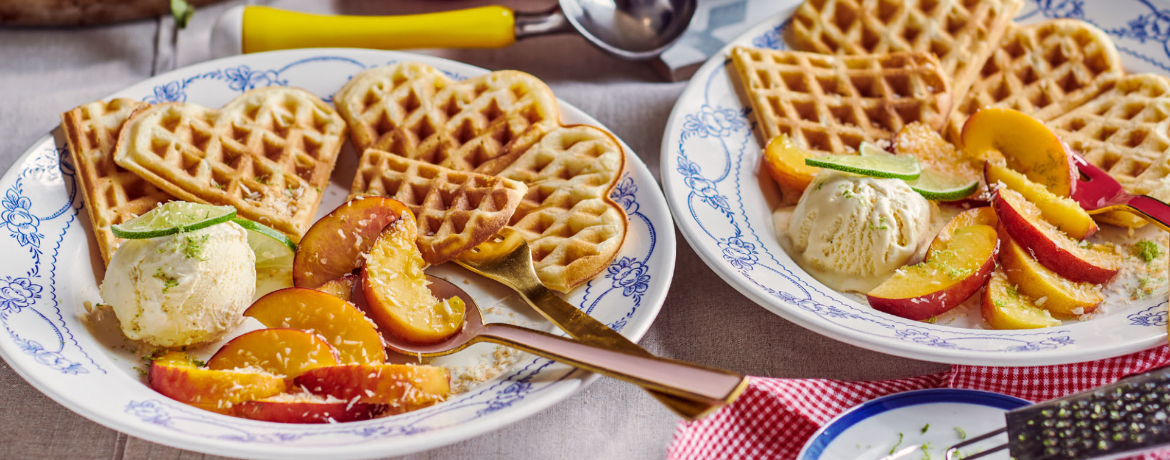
171,218
903,167
938,186
869,150
274,250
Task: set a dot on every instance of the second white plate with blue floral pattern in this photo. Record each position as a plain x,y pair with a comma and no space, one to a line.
52,268
721,200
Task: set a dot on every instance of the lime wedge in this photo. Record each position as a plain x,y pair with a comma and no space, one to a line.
274,250
938,186
903,167
171,218
869,150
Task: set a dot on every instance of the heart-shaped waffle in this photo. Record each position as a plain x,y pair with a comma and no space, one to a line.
268,152
831,104
416,111
112,194
961,33
503,123
1125,130
572,226
1044,70
455,210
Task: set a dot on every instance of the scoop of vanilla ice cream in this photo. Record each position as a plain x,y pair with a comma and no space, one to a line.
861,227
182,289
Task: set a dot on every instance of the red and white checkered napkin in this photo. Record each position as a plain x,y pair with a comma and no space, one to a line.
775,417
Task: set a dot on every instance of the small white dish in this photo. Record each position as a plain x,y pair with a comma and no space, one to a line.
723,201
52,269
933,419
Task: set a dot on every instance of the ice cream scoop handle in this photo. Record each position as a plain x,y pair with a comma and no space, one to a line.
267,29
666,375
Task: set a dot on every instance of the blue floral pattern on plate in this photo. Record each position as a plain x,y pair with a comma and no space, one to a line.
40,213
711,174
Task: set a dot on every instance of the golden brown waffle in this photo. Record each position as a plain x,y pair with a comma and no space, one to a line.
269,153
416,111
455,210
961,33
1044,70
831,104
112,194
1125,131
567,217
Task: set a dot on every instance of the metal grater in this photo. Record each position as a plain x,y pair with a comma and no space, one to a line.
1122,419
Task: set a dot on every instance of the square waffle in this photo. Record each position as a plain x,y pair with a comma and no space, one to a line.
1043,70
112,194
455,210
414,110
831,104
269,153
961,33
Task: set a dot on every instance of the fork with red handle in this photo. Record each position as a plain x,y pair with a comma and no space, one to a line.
1098,192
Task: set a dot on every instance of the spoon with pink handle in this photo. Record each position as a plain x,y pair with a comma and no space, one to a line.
677,378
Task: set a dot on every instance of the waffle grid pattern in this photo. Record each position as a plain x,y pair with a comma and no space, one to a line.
112,194
269,153
1044,70
834,103
959,32
455,210
415,111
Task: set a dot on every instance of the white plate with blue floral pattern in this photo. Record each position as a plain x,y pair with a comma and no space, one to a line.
53,268
721,201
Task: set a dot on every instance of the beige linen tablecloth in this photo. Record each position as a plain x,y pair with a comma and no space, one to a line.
44,72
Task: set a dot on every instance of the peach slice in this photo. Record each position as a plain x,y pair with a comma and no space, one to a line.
287,352
935,153
1005,307
947,278
982,215
785,163
1025,143
341,288
337,321
396,293
176,376
1070,258
403,387
333,246
308,408
1060,296
1064,213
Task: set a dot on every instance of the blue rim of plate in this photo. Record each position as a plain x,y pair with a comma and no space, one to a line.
825,436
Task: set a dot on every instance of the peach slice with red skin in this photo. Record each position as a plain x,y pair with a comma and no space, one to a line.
1064,213
341,288
982,215
403,387
1024,143
948,277
334,245
1060,296
339,322
176,376
395,289
1068,257
308,408
287,352
1005,307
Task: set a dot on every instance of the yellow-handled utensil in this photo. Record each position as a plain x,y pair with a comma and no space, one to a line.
629,29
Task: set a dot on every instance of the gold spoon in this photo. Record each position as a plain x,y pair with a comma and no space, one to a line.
507,259
677,378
